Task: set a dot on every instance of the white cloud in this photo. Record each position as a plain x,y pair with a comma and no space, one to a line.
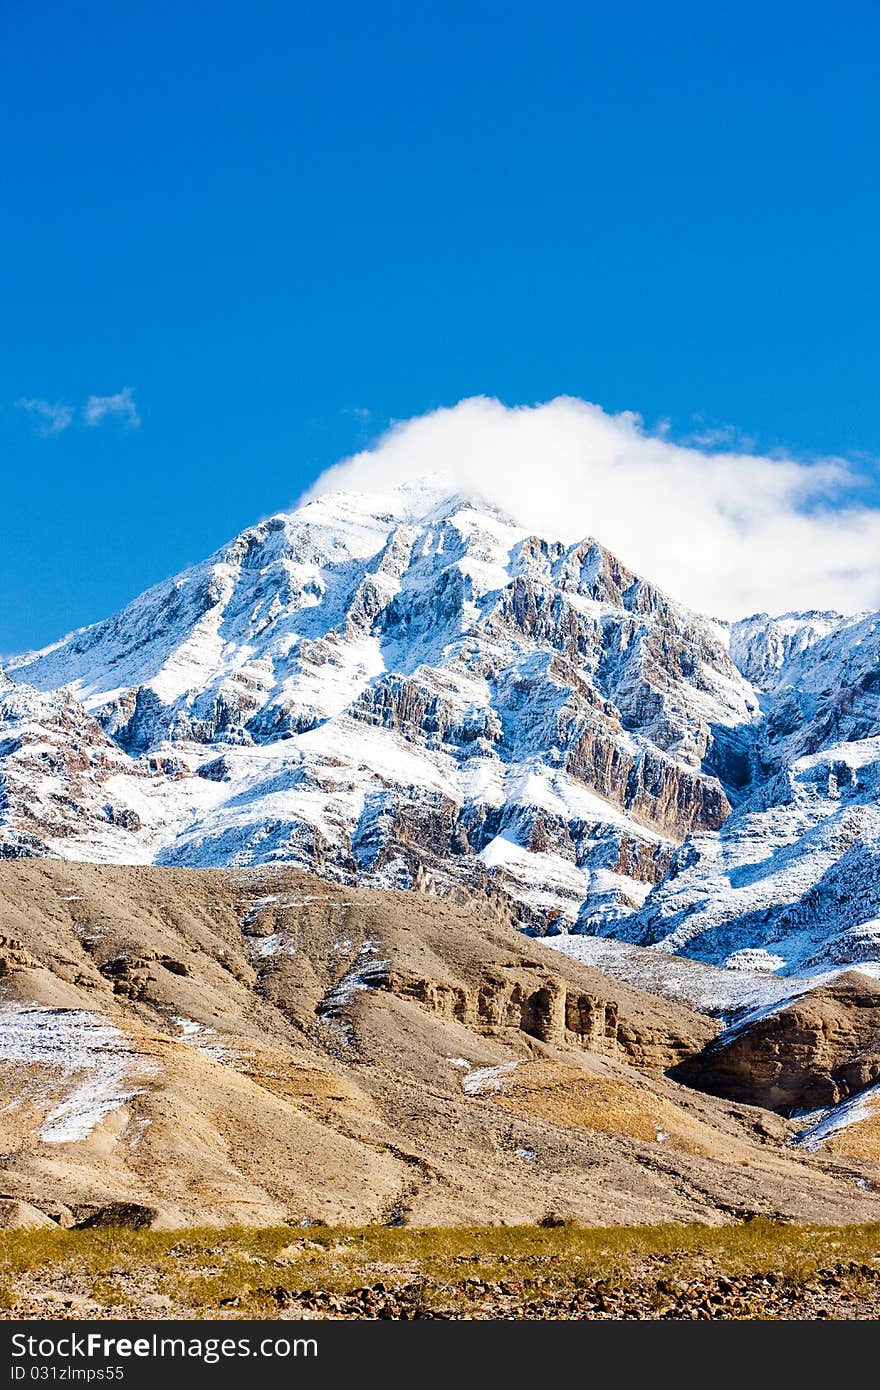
730,532
122,405
52,416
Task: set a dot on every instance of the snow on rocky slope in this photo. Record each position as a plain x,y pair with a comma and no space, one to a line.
762,646
792,879
57,771
408,689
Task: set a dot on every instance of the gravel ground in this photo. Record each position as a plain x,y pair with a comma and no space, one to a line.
656,1289
844,1291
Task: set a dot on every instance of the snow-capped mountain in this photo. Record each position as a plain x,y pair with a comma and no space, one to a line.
384,687
409,689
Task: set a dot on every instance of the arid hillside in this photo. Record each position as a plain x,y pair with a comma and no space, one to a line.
261,1046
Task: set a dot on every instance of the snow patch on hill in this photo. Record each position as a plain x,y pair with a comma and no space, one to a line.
97,1057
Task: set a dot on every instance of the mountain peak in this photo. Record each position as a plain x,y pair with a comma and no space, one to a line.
420,500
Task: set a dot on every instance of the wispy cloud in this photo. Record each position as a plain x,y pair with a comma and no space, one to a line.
708,436
121,407
728,530
51,416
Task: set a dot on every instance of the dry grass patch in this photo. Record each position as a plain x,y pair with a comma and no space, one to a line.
568,1095
861,1139
239,1272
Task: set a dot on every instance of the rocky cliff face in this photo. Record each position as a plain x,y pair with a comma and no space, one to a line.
540,1005
815,1052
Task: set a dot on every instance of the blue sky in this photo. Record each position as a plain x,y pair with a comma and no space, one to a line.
282,226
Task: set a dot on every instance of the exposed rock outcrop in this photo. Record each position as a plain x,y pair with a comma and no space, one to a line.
544,1007
814,1052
